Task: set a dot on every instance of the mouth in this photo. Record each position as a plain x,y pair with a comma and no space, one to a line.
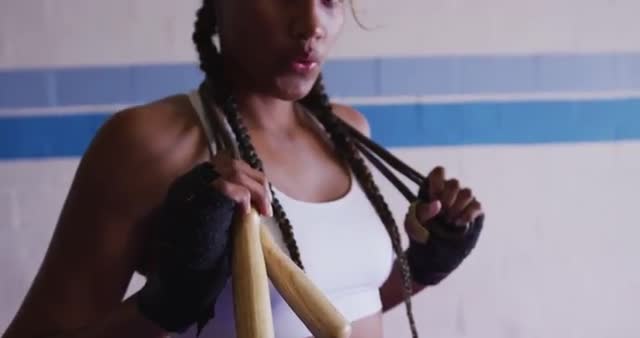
304,64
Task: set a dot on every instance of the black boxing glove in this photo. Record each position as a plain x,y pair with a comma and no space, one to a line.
194,258
439,248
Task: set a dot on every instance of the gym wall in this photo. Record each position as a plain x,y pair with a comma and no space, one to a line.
533,104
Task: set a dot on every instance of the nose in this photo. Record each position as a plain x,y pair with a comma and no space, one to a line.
306,24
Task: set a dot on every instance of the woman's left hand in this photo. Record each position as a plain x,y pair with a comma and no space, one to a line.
447,199
443,227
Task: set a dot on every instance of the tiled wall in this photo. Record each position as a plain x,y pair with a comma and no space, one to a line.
534,104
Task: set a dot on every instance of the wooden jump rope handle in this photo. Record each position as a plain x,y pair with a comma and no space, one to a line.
252,304
257,258
304,297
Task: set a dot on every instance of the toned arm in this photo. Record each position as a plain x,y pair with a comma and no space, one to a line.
100,236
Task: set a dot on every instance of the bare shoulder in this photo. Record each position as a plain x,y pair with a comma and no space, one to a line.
161,132
143,124
140,150
353,117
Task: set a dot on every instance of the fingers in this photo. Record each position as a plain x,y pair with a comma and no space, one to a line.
463,198
470,213
257,175
458,205
258,193
436,182
238,193
450,193
439,188
226,166
427,211
242,183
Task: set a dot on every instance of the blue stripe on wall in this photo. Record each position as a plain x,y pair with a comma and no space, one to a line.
392,126
504,123
93,86
346,78
51,136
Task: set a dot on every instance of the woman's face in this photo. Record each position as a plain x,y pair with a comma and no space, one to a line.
277,47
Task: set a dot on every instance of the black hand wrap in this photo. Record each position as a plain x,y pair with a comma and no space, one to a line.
445,249
194,259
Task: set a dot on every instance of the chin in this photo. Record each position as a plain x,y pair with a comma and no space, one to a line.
294,89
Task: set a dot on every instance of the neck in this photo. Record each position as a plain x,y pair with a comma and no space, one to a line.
263,112
258,111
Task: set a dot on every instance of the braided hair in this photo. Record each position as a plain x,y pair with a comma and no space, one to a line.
317,101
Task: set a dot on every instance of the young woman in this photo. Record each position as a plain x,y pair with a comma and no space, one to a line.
157,189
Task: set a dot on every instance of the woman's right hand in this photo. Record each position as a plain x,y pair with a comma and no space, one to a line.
245,185
194,238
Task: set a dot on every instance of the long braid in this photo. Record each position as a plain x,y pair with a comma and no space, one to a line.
205,28
250,155
211,65
318,102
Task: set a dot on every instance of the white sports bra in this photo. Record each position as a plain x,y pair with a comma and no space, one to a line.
345,249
